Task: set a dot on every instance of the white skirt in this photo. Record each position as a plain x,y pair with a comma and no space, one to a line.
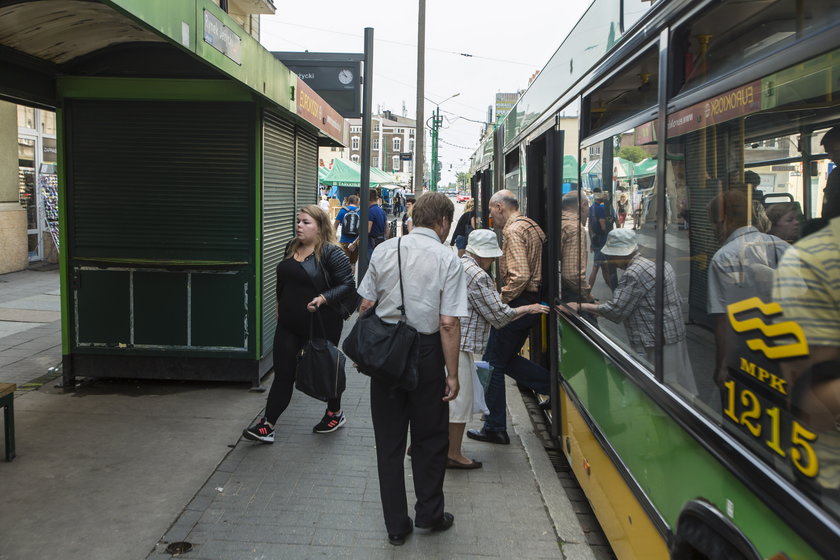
470,399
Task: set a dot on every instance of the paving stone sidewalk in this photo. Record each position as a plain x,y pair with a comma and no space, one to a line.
317,496
30,325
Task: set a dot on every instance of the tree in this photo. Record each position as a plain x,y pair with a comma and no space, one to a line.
463,179
633,153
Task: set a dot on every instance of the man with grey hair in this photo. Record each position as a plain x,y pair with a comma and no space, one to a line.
420,266
574,210
521,270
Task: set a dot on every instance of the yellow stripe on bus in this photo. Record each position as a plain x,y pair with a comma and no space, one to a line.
626,525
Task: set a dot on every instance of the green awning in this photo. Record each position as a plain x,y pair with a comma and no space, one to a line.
645,168
345,173
570,169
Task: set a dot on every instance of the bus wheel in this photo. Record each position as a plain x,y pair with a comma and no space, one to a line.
703,533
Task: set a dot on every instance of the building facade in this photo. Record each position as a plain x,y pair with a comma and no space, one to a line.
392,144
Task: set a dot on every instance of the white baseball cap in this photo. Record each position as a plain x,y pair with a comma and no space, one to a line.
483,243
620,243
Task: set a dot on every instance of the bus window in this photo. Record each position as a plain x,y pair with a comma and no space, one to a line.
621,175
732,34
748,167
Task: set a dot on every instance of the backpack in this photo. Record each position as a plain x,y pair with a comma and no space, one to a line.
350,223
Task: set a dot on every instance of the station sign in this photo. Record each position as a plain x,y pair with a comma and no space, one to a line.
222,38
336,77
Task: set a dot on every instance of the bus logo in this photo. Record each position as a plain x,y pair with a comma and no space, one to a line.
786,328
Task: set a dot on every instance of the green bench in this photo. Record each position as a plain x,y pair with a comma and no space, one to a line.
7,402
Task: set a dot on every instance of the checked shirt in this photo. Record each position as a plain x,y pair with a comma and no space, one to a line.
634,303
486,308
521,262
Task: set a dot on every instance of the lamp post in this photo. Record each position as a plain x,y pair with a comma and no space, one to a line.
437,121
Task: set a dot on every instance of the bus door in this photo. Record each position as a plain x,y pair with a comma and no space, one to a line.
543,189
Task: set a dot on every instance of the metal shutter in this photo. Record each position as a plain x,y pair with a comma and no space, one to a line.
278,213
306,176
160,180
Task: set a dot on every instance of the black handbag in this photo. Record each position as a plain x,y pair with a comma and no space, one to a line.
384,351
320,367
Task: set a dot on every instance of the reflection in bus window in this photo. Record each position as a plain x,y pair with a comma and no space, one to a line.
807,287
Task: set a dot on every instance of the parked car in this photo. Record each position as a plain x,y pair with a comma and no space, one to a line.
463,198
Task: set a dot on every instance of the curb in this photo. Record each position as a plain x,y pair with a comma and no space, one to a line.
560,511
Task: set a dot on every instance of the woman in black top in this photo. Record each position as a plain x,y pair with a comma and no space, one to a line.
315,277
465,225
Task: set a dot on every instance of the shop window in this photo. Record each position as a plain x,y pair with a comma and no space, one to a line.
732,34
26,117
47,119
632,91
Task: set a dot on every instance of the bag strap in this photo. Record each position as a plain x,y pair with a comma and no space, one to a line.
402,294
312,324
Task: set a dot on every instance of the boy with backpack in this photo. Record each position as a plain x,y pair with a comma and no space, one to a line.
348,218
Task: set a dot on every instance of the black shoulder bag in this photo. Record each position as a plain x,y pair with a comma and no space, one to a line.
386,352
320,367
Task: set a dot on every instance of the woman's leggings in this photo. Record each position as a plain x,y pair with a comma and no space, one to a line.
287,344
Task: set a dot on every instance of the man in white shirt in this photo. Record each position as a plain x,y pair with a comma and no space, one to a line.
435,298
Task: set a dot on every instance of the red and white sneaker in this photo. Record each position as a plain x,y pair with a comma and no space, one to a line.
330,422
260,431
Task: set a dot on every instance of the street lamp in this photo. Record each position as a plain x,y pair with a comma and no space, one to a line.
437,121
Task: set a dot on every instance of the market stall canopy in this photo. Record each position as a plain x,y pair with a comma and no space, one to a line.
570,169
345,173
622,168
645,168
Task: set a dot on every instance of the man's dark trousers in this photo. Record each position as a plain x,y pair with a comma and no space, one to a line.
503,356
425,411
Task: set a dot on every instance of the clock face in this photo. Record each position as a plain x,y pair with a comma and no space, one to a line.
345,76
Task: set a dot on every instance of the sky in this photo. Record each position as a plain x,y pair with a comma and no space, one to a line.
508,41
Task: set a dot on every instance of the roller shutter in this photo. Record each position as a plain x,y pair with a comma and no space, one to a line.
160,180
278,212
306,176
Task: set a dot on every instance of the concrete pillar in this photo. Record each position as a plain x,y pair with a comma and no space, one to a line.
14,254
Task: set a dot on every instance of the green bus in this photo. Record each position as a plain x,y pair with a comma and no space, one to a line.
694,355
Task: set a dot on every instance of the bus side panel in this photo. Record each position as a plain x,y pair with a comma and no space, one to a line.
671,467
625,523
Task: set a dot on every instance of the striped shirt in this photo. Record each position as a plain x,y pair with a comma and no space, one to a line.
485,307
634,303
807,285
521,261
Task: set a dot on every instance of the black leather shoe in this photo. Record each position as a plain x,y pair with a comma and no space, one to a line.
500,437
441,524
398,539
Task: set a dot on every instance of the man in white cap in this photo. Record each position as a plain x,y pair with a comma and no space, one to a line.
634,303
486,309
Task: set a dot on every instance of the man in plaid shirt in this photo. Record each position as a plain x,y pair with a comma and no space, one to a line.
521,270
634,303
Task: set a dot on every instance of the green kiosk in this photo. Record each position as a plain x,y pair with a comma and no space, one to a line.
184,149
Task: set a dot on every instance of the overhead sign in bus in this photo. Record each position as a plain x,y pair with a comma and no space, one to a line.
732,104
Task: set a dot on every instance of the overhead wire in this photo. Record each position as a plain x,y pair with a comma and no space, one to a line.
356,35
